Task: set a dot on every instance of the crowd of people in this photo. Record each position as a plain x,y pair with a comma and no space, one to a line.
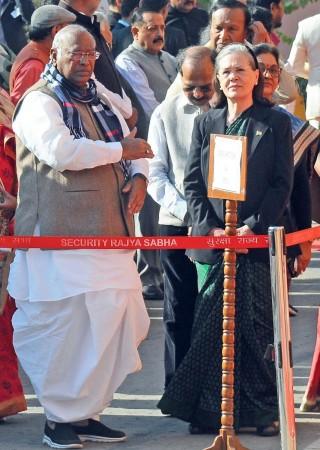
106,113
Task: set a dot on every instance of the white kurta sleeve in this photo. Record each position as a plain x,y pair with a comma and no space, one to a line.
160,186
123,104
139,82
39,125
298,55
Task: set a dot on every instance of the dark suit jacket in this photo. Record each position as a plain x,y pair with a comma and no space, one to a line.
269,176
105,69
121,39
14,27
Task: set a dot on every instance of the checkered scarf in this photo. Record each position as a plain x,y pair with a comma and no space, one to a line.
68,92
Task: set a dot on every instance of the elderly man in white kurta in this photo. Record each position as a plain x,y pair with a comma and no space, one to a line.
80,315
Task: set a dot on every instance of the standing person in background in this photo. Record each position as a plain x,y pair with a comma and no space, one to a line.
29,64
14,16
114,12
305,137
231,22
175,39
150,70
105,69
170,137
304,61
144,64
194,393
189,18
276,7
12,399
121,33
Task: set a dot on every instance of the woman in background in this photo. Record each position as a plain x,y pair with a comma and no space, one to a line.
12,399
305,137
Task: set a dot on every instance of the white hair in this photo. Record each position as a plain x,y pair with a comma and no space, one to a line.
66,34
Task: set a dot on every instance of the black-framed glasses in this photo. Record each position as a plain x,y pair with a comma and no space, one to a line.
274,71
78,56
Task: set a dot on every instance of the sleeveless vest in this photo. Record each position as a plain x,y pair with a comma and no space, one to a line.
85,202
160,70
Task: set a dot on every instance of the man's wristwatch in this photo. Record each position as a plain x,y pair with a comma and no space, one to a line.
143,177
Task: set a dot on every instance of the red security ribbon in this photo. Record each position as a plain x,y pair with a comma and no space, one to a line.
153,242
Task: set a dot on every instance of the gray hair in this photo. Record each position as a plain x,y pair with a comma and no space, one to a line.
237,48
64,35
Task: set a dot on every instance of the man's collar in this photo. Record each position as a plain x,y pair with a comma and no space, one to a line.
80,15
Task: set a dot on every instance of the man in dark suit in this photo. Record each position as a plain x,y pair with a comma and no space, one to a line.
105,70
121,33
14,15
184,15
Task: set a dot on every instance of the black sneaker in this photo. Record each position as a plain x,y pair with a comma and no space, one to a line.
61,436
98,432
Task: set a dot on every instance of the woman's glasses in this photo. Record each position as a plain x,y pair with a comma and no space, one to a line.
274,71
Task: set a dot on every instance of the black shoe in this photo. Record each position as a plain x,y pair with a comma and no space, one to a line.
270,430
292,311
197,429
98,432
61,436
151,292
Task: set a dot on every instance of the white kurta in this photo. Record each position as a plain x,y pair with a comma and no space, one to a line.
80,313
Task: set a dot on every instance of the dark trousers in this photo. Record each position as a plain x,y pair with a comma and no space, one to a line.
180,292
148,261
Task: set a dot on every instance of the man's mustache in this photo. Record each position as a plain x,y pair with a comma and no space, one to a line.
157,39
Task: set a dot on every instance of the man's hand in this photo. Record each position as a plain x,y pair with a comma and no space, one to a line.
7,201
259,34
303,260
135,148
220,232
216,232
137,190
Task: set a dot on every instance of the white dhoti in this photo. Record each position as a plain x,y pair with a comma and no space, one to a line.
78,350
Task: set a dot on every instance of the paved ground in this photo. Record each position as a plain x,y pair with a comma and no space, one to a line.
134,407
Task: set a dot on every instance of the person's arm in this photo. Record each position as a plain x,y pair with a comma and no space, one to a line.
138,80
287,90
27,76
203,216
277,194
160,186
39,125
301,196
298,56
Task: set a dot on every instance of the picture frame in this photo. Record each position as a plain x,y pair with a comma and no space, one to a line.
227,174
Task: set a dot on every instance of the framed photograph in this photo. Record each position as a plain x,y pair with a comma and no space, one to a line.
227,167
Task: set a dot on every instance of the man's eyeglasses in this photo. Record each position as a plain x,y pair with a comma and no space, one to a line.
274,71
78,56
